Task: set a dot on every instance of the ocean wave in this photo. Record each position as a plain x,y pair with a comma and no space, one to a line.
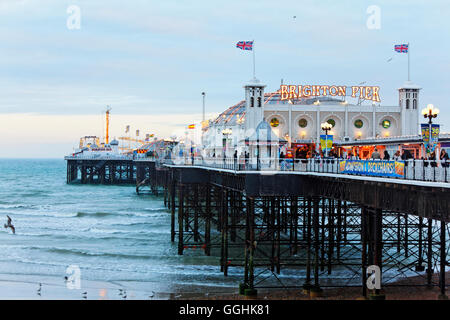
155,209
42,214
78,252
15,206
93,214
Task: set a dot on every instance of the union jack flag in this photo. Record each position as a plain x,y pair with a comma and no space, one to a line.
401,48
245,45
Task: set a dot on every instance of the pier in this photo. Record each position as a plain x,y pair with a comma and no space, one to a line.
265,216
104,170
315,222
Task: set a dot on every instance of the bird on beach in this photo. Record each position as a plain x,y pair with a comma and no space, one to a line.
39,289
9,225
84,295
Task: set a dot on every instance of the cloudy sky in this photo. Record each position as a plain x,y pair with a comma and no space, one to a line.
150,60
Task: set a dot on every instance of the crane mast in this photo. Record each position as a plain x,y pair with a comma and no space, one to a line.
108,108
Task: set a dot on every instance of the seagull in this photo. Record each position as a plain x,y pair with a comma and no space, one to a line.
85,295
39,289
9,225
389,59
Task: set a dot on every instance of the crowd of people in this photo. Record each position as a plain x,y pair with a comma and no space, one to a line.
304,153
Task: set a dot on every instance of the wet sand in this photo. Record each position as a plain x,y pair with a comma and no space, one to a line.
13,287
399,290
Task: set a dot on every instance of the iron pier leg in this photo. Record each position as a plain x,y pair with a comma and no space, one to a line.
180,219
307,284
443,263
420,267
364,226
208,222
172,211
316,290
429,252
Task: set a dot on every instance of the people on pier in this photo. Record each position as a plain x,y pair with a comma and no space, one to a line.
444,158
386,155
376,155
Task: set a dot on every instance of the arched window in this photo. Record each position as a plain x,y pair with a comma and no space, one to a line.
259,102
252,102
414,104
407,103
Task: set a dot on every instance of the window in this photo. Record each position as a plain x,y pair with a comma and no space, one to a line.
252,102
414,104
358,123
274,122
259,102
332,122
407,103
303,123
386,123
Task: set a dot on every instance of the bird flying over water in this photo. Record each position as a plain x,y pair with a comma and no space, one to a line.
9,225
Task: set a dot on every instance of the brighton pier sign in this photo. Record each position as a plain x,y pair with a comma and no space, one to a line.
292,92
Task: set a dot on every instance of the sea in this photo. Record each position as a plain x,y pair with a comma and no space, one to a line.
109,233
110,238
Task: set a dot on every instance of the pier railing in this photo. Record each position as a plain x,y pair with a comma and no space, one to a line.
98,157
419,170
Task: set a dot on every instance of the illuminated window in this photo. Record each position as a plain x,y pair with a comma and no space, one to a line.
332,122
359,123
303,123
386,124
274,122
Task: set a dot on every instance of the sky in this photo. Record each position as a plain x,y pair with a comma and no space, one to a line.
151,60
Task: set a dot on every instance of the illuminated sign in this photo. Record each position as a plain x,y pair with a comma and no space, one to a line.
291,92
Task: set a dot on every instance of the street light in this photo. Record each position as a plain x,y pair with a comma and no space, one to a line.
203,95
326,127
430,112
226,132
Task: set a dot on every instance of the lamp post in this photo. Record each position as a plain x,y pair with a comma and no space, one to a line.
203,96
430,112
326,127
226,132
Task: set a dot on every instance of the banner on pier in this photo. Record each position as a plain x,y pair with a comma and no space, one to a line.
430,140
326,142
375,168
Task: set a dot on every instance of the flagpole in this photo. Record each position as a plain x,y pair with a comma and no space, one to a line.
254,68
408,62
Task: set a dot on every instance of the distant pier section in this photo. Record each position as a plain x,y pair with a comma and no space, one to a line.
114,169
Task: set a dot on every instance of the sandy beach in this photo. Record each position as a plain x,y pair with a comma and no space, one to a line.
26,287
399,290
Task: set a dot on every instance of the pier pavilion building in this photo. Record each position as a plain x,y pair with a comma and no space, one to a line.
299,121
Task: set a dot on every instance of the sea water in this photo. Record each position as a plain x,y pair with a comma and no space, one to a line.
109,232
